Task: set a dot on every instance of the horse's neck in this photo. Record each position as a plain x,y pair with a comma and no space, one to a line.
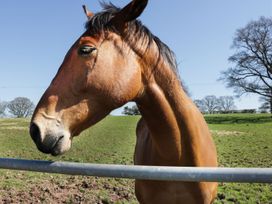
176,126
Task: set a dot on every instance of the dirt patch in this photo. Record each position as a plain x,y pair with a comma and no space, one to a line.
72,189
226,133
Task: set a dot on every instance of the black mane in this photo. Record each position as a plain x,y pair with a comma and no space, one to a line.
136,32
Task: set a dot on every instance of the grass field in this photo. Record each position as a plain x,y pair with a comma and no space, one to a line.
241,140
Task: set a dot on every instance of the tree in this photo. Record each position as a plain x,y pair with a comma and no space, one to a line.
201,105
266,105
252,60
131,111
226,104
21,107
3,106
210,103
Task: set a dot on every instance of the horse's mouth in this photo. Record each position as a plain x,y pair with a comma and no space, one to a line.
56,149
53,149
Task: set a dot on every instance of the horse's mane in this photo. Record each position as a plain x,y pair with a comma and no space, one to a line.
136,32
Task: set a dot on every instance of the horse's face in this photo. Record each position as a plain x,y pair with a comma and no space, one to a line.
97,75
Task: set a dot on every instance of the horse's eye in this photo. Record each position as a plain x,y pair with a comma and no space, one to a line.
86,50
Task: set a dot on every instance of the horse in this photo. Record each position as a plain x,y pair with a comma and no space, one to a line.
116,60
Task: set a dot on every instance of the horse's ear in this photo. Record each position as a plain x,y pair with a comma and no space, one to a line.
87,12
130,12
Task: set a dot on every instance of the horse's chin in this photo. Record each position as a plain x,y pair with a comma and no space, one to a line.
62,146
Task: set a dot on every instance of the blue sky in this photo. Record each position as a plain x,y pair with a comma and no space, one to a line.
35,36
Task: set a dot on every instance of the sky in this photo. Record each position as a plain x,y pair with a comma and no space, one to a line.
36,35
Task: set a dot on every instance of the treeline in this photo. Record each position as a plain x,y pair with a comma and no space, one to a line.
225,104
212,104
209,105
20,107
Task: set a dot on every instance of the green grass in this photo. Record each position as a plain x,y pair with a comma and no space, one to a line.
242,140
250,145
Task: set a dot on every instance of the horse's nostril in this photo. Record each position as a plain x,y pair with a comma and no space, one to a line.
36,136
35,132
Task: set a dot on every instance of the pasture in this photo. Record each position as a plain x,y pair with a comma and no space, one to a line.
242,140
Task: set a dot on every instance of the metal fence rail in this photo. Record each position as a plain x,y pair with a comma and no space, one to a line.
196,174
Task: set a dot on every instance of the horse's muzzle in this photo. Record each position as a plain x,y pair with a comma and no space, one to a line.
48,144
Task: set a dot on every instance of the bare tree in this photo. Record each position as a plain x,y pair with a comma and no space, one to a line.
201,105
131,111
266,104
3,106
210,103
21,107
226,103
252,70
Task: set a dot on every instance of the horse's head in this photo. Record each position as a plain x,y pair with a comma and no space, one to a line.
99,73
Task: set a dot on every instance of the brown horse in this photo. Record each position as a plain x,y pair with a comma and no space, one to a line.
117,60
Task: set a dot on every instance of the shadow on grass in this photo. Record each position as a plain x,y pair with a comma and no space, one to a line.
238,119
